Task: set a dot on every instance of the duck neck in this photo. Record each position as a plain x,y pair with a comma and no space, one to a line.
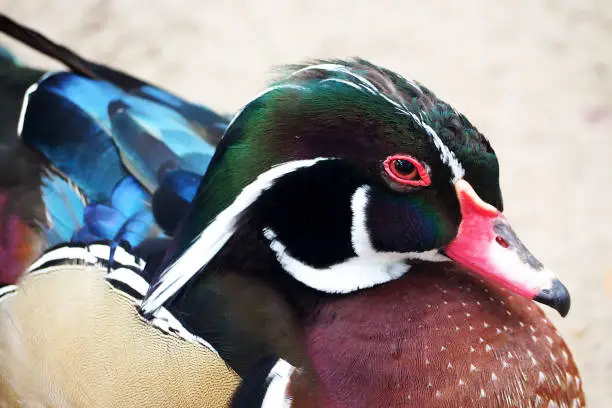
357,346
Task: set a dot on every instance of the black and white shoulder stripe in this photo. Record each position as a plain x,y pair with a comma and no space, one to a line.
7,290
125,273
265,386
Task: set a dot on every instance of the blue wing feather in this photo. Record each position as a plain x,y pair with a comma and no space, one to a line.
118,147
207,123
129,198
68,129
65,208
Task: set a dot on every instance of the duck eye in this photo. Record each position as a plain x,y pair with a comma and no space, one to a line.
406,170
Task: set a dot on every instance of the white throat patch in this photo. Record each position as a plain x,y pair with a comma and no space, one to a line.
369,268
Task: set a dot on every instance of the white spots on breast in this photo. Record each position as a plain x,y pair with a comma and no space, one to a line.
565,355
521,324
531,328
576,403
485,325
552,404
534,339
461,382
483,394
427,362
493,377
471,327
429,305
505,328
568,378
449,316
531,356
446,302
505,364
456,328
508,312
541,378
488,348
538,400
472,349
481,340
438,394
558,379
467,315
552,357
510,355
473,368
478,303
443,348
498,331
577,381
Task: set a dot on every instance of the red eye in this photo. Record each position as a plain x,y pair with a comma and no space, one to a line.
406,170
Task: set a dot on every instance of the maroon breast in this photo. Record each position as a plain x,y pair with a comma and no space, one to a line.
440,338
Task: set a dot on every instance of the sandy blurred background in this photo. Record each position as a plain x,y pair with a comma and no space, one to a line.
534,75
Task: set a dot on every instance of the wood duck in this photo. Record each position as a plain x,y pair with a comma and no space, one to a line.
345,248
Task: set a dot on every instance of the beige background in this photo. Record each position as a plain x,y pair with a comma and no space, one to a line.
535,76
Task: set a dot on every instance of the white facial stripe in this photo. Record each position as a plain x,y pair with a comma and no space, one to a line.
279,378
446,155
345,277
213,238
360,237
342,81
369,268
363,82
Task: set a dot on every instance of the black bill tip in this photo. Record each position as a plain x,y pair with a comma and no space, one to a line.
557,297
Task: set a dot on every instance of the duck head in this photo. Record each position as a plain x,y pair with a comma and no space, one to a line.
351,174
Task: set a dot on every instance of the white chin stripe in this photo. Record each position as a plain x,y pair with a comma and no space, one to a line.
344,277
276,394
215,236
367,269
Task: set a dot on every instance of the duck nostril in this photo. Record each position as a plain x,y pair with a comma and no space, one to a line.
502,241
